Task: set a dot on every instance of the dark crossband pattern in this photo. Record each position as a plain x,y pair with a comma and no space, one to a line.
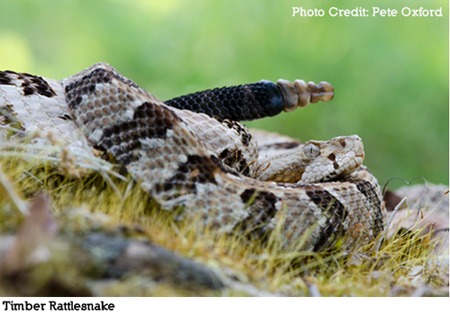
369,191
262,209
335,212
30,84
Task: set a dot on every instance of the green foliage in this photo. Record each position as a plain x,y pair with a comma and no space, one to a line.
390,74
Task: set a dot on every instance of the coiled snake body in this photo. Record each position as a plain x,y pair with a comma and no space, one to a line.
190,152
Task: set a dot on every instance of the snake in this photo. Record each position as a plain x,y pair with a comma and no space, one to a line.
191,153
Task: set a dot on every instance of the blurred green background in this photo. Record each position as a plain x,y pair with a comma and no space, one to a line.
390,74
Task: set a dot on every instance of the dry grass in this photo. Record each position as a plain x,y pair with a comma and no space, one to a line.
405,264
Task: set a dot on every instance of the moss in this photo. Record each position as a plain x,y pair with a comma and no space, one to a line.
401,265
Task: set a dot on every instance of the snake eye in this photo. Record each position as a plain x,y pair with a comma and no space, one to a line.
311,150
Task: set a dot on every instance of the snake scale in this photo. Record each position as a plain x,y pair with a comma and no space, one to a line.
190,152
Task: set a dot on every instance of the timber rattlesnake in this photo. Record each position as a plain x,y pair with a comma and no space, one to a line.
212,167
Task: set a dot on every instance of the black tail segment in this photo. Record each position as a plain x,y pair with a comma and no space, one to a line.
255,100
241,102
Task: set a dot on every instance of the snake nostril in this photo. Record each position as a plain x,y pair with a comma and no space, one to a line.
342,142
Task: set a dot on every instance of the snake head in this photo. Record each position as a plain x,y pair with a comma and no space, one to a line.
333,158
300,94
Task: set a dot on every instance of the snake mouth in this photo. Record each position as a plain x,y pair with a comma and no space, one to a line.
359,158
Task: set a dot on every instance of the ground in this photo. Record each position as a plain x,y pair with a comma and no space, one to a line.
72,232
